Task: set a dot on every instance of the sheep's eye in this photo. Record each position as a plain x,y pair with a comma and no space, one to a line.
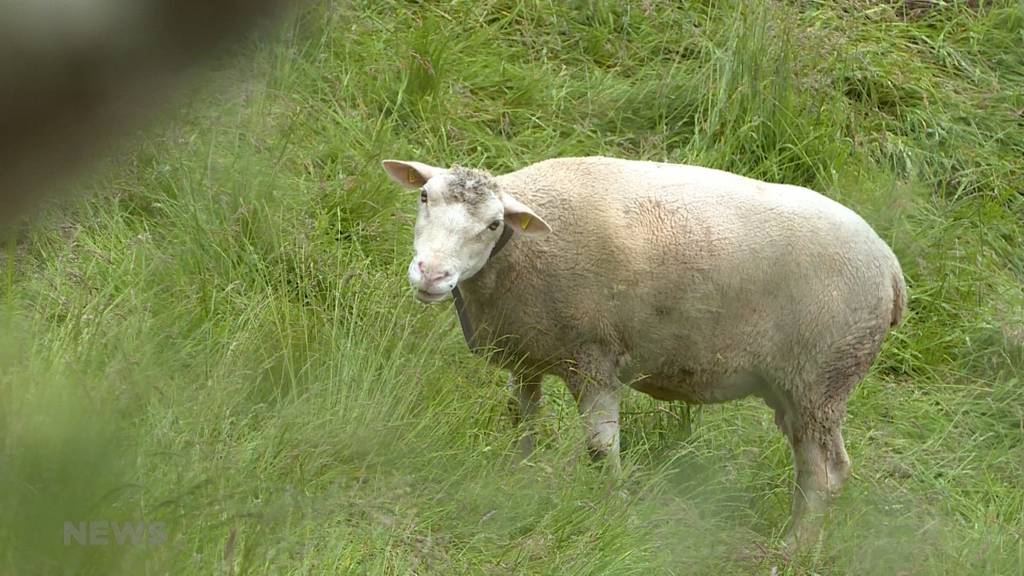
423,196
494,225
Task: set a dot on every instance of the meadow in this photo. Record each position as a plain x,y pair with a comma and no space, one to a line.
216,336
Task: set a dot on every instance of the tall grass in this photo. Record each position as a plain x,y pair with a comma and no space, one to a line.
218,336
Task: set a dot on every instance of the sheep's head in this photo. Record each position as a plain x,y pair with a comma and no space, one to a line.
462,213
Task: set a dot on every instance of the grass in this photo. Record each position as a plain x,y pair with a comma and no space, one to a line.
219,337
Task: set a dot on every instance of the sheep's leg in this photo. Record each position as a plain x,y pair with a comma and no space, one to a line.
599,407
813,462
600,410
526,395
594,385
810,497
822,464
838,464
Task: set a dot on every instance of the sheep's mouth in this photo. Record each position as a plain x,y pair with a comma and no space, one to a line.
430,297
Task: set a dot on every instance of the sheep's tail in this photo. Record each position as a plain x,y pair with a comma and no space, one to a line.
899,297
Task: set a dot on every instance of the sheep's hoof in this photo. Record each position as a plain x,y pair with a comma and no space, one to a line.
512,408
525,446
803,536
605,459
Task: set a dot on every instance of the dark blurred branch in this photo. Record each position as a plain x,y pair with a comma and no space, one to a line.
74,77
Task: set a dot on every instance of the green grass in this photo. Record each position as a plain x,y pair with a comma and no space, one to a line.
219,336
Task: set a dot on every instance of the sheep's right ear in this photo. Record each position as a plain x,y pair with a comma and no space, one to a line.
521,217
410,174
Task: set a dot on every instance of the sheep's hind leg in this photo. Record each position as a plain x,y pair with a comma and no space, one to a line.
595,387
838,464
820,467
526,395
811,494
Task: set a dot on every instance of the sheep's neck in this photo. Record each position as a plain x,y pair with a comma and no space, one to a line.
468,331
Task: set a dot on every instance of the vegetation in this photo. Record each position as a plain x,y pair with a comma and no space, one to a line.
219,335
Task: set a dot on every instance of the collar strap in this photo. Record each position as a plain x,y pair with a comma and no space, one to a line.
506,235
460,305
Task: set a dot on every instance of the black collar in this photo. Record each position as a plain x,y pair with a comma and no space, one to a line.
506,235
460,304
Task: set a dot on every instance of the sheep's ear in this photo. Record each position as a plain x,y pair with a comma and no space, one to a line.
521,218
410,174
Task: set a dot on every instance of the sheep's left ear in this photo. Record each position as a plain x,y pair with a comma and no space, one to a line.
521,218
410,174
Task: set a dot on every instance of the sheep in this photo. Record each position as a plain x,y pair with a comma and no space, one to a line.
683,282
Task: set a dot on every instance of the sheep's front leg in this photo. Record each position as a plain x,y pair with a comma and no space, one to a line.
593,384
599,407
526,395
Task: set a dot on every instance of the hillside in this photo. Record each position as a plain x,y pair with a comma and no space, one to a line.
217,336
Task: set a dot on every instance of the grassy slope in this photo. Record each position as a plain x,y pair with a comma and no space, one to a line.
221,338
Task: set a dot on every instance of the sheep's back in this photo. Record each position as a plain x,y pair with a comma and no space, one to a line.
688,264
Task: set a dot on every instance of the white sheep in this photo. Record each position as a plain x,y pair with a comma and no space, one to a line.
687,283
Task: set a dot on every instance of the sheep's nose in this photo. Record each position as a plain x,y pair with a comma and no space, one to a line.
433,276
